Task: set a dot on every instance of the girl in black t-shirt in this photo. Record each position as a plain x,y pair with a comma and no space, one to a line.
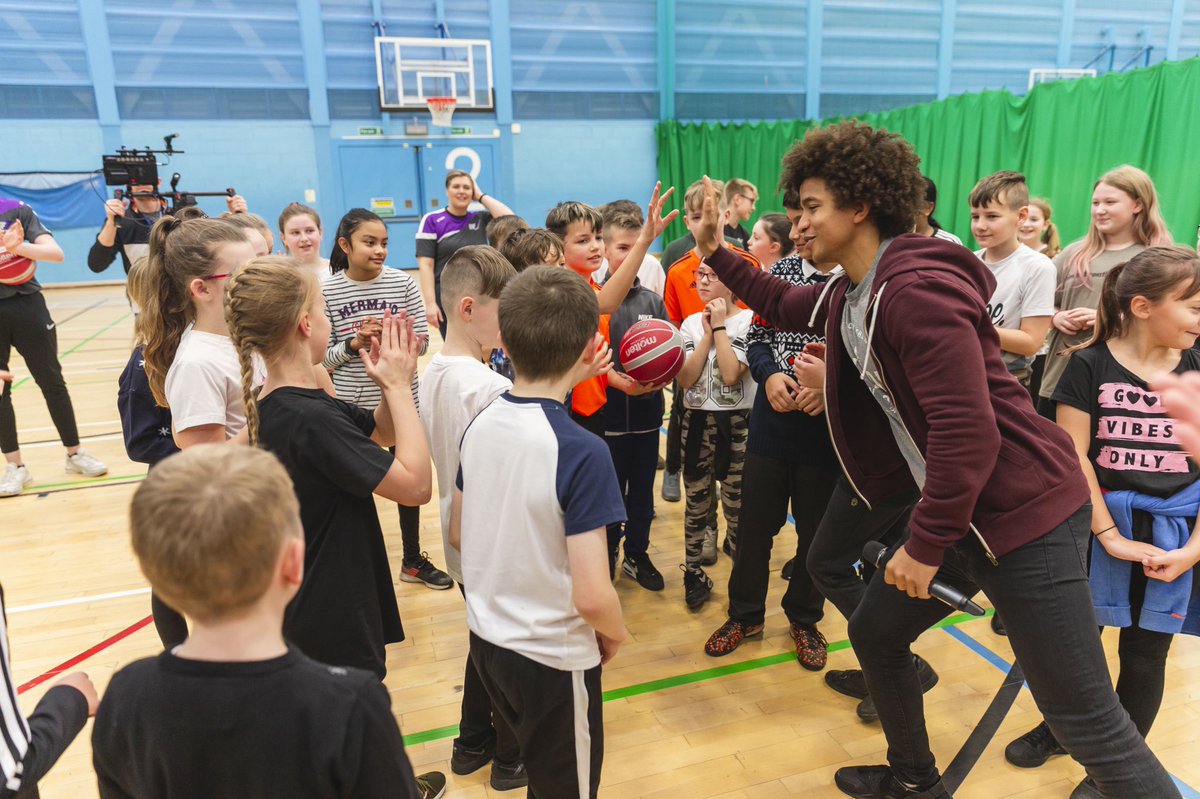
345,611
1146,325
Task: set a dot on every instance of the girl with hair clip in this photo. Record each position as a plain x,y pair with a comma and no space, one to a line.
1125,221
361,289
770,239
300,232
1145,491
1038,233
345,612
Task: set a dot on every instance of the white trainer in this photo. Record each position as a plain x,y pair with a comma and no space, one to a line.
14,480
85,464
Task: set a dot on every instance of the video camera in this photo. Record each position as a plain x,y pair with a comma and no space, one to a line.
132,167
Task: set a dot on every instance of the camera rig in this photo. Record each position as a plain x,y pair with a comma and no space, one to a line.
130,168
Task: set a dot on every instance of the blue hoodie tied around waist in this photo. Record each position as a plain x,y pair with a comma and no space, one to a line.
1169,607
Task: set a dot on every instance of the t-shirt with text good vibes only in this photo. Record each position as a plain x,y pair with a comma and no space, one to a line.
1134,446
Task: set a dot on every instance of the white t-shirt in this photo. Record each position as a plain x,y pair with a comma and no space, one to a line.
650,274
204,383
709,392
454,389
531,477
1024,288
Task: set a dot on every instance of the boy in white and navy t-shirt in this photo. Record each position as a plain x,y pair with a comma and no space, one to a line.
535,493
1023,302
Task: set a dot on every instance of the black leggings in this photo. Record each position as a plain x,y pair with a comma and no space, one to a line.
25,323
1143,660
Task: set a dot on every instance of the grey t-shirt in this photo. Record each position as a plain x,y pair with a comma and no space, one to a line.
855,326
1073,293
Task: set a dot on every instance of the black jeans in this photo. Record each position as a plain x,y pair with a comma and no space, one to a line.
480,727
26,324
847,525
635,459
768,484
674,457
556,715
1041,589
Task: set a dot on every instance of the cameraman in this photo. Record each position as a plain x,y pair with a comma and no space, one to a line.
127,229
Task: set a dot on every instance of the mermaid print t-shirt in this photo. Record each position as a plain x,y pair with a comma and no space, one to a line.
1134,446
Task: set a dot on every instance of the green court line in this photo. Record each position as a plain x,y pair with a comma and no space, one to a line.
37,489
653,686
95,335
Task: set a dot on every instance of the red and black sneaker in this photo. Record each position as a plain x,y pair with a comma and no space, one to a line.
729,637
812,650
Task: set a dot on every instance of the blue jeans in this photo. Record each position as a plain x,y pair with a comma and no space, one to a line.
1041,590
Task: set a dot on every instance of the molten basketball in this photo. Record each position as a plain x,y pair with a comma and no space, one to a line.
652,351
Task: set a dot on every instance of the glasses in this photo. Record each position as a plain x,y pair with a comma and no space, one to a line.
707,277
748,198
216,277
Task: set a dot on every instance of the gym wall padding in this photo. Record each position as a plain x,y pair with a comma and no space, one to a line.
1062,136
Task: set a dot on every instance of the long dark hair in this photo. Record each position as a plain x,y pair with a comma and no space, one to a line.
354,219
1157,273
931,198
778,227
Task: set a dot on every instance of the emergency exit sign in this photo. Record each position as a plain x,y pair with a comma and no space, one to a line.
370,131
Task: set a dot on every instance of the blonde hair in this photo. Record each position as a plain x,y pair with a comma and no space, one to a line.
264,301
1050,234
208,526
180,252
737,186
1149,229
137,283
693,198
249,221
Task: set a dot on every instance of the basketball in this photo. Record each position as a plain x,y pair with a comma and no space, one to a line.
652,351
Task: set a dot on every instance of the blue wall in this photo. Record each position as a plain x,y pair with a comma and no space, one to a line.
263,97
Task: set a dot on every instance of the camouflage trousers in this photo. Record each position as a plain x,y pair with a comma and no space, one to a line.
714,449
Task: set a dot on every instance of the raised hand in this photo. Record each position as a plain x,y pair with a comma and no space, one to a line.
707,230
114,209
391,360
655,222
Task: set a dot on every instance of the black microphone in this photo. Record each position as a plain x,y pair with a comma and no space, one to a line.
875,553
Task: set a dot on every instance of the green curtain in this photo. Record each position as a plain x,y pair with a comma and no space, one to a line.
1062,136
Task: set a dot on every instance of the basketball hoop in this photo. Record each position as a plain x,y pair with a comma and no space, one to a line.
441,109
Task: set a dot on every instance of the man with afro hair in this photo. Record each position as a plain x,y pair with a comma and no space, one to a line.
918,397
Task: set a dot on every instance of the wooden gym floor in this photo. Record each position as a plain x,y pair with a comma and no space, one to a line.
678,723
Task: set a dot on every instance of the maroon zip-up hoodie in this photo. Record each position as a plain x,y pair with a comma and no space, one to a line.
993,465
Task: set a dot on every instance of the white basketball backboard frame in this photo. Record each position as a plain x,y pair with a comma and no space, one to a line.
1037,76
410,70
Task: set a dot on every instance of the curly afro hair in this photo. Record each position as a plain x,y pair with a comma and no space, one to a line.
861,164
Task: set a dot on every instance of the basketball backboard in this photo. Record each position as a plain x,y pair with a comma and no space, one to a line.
413,69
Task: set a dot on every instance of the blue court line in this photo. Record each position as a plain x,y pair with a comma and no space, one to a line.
1003,665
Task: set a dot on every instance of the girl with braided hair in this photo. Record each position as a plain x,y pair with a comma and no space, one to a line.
345,612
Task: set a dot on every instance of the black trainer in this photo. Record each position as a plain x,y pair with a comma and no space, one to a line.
851,683
786,571
639,567
696,586
998,625
424,572
465,761
877,782
848,682
1087,790
508,778
432,785
1033,748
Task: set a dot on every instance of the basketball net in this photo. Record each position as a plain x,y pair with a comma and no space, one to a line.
441,109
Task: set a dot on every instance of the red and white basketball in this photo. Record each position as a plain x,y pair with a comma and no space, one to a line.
652,351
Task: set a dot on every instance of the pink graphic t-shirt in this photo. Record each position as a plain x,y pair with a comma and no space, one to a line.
1134,446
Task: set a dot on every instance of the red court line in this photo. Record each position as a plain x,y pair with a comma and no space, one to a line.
82,656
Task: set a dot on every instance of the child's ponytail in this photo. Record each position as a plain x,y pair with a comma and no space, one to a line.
265,299
180,252
338,259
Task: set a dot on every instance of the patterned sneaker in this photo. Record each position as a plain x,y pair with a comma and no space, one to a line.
14,480
812,650
85,464
729,637
640,568
708,550
422,571
432,785
696,586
